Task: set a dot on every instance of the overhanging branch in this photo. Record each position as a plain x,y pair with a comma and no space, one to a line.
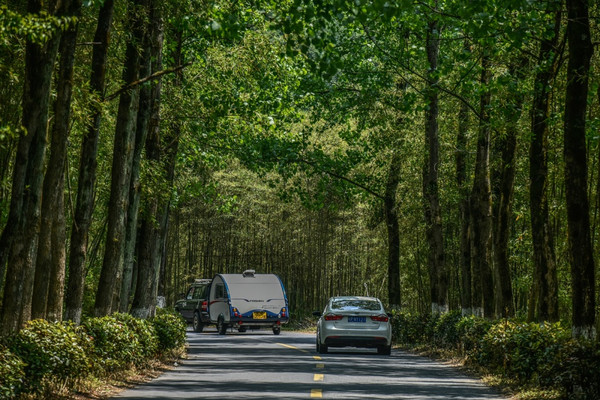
155,75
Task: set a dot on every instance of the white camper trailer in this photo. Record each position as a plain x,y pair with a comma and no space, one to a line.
247,301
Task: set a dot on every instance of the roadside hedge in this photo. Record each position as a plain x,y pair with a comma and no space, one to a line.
62,353
50,349
543,355
12,373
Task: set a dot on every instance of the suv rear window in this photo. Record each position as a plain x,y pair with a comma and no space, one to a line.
353,304
200,292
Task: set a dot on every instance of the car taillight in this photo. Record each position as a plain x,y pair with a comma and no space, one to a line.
236,313
333,317
380,318
204,305
283,313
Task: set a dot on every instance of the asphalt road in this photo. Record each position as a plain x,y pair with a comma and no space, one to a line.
260,365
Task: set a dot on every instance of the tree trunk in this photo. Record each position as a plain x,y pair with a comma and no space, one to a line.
481,205
464,210
438,280
51,253
87,171
18,244
121,167
507,145
144,301
393,230
580,246
544,261
143,118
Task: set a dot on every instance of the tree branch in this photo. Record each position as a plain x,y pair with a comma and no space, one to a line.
341,177
155,75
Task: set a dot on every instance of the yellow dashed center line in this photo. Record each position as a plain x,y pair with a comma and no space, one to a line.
314,393
292,347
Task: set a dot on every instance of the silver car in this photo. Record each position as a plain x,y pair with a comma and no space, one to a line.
354,321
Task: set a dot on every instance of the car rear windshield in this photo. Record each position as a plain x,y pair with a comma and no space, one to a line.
354,304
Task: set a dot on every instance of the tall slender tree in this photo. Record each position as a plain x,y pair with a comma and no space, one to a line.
481,204
507,145
121,165
51,252
87,170
544,297
390,206
581,254
150,246
19,237
438,280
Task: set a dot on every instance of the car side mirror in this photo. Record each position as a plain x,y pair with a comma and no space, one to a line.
317,313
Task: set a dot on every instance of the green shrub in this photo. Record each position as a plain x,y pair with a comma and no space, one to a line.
51,349
575,370
170,330
471,331
446,332
409,328
146,336
12,374
519,349
116,347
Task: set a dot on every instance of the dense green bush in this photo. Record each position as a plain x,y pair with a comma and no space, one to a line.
57,349
519,349
446,333
146,335
12,373
530,353
116,347
575,370
170,330
409,328
471,331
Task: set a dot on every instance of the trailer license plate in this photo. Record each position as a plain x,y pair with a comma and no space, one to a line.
357,319
259,315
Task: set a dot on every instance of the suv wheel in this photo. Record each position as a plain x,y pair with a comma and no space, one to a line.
197,322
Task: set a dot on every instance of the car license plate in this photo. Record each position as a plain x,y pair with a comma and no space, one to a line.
357,319
259,315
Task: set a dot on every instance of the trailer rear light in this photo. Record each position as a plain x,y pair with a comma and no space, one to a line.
333,317
236,313
380,318
205,305
283,312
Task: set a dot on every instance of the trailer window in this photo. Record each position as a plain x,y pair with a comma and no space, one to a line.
220,291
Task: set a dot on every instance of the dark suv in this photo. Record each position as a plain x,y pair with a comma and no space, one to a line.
193,306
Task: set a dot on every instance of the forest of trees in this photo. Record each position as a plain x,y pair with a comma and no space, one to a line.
438,154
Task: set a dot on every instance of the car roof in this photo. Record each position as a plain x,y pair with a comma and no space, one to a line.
353,298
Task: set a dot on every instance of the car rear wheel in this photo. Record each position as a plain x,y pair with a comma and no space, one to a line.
242,329
384,350
321,348
197,323
276,330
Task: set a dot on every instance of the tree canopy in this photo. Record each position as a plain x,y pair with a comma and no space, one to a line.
437,154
